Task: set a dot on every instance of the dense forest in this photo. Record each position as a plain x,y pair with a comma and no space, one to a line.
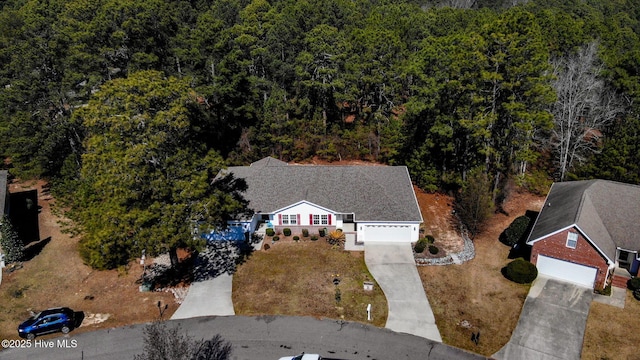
131,108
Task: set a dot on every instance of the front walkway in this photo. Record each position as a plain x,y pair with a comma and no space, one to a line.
552,322
394,268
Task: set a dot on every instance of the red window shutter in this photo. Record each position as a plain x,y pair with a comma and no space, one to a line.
299,219
310,219
279,219
329,219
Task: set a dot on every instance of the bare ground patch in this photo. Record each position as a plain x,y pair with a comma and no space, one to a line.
56,276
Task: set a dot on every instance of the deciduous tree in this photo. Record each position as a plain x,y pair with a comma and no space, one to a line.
584,107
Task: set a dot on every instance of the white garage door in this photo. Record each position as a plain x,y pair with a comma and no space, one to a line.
567,271
387,233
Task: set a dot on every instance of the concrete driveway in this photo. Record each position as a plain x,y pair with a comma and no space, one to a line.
394,268
551,324
206,298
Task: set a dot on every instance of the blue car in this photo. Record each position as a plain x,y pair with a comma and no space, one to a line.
48,321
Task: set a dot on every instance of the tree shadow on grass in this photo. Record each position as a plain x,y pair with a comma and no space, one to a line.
217,258
34,249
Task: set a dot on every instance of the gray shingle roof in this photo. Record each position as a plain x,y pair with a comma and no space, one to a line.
372,193
607,211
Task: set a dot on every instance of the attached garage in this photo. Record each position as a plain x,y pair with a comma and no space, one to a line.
567,271
387,233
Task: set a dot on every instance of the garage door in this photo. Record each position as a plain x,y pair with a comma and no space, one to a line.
387,233
567,271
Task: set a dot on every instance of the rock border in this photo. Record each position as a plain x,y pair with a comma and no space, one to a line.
468,252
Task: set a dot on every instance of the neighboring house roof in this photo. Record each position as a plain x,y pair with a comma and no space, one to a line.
372,193
607,212
4,174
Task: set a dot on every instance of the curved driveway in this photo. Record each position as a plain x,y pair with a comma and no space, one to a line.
394,268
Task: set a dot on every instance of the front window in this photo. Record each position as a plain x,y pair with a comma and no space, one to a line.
572,240
316,219
293,219
285,219
324,219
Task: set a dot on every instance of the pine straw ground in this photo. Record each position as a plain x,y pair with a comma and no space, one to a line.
56,276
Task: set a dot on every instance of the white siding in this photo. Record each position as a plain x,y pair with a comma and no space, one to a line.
304,210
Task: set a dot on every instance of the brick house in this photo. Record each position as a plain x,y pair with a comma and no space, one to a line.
368,203
587,233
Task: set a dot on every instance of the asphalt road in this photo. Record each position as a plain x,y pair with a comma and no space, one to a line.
253,338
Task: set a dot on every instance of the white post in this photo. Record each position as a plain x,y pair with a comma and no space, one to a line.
369,312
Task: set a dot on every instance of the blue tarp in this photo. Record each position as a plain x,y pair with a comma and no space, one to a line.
232,233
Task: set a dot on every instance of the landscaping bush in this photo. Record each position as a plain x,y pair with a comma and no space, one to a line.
606,291
314,237
420,246
305,232
516,231
433,249
521,271
321,232
286,232
296,237
429,239
336,237
634,283
10,242
270,232
275,238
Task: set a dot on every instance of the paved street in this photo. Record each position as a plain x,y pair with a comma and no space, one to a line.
257,338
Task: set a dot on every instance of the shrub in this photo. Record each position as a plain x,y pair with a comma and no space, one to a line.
429,239
433,249
521,271
10,242
420,246
270,232
286,232
296,237
321,232
275,238
606,291
634,283
516,231
336,237
305,232
314,237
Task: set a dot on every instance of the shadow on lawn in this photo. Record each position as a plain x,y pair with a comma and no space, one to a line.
217,258
35,248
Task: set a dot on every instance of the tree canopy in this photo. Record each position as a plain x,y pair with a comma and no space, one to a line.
146,176
444,87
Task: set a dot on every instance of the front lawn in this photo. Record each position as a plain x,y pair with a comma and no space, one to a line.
296,278
610,332
474,296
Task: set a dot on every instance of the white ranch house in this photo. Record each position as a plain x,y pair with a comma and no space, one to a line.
369,203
